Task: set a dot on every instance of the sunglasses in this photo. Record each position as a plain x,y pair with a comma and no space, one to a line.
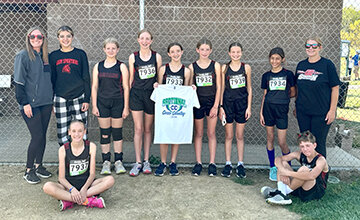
314,46
39,36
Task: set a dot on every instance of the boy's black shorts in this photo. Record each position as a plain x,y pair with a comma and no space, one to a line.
276,114
110,107
206,103
140,100
315,193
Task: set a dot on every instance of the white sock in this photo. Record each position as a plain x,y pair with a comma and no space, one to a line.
288,190
282,187
228,163
240,163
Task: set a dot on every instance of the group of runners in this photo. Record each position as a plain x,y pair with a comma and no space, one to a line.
61,81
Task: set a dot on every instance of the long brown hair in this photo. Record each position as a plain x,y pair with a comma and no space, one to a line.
44,46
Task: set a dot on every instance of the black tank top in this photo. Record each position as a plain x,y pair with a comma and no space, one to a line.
205,79
323,177
236,83
145,72
110,81
77,167
172,78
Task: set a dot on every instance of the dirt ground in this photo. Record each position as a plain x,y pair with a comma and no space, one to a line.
146,197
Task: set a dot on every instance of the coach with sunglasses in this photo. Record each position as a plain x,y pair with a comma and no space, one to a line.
317,85
34,94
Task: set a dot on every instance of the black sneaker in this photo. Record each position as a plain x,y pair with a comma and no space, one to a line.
161,169
31,177
227,171
173,170
42,172
212,169
240,171
197,169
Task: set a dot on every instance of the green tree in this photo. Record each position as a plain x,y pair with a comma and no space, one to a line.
351,28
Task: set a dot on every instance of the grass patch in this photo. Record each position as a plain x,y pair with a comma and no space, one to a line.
243,181
341,201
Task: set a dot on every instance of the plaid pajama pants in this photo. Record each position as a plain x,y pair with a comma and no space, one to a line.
66,111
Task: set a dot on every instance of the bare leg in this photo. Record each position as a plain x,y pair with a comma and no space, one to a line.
100,185
211,125
174,151
199,132
282,140
229,135
138,133
240,140
163,152
149,119
270,137
57,191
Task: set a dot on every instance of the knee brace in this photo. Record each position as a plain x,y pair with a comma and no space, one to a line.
117,134
105,131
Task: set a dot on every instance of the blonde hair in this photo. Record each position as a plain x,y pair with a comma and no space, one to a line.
204,41
111,40
44,46
145,31
315,38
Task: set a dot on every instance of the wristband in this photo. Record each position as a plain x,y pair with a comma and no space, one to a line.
71,189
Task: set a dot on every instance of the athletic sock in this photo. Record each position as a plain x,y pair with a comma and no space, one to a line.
289,162
228,163
282,187
118,156
240,163
106,156
271,156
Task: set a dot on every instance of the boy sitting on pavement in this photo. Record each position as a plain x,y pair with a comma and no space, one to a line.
308,183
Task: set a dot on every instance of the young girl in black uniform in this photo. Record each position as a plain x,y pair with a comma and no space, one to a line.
308,183
71,81
206,76
236,98
279,86
77,182
143,68
173,73
110,103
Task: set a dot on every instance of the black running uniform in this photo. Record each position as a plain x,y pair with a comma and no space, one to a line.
171,78
77,169
205,81
145,75
110,95
235,100
318,190
277,98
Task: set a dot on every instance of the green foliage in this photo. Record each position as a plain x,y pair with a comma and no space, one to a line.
351,27
154,160
341,201
243,181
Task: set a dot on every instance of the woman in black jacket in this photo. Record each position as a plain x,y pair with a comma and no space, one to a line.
34,94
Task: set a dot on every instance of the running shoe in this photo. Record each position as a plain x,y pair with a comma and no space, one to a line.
240,171
65,205
106,168
119,167
42,172
31,177
173,170
212,169
279,199
146,168
95,201
196,171
161,169
273,174
268,192
135,170
227,171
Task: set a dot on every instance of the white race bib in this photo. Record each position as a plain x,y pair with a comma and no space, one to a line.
78,167
237,81
204,79
174,80
147,72
277,83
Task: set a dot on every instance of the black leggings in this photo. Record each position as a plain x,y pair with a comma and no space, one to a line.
37,126
316,124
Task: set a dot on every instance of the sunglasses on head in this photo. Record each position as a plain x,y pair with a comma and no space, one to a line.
39,36
314,46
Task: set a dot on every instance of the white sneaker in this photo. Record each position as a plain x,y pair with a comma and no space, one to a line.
279,199
135,170
106,168
268,192
119,168
146,167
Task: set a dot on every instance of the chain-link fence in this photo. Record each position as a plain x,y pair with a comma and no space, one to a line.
259,25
